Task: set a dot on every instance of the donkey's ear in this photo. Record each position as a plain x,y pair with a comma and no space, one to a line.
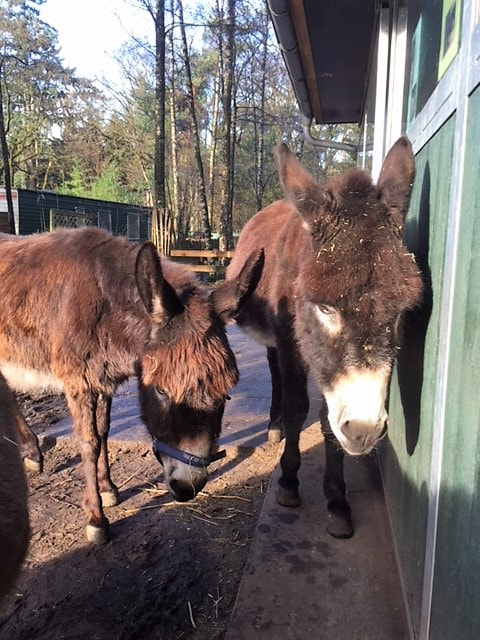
300,187
158,296
230,296
395,183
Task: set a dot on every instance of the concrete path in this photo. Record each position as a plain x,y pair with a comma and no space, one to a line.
301,584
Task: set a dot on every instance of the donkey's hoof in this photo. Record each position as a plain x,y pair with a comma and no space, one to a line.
288,497
97,535
275,435
339,526
33,466
109,498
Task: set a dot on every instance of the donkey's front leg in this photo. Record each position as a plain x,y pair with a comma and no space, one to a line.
83,406
294,412
108,491
29,448
339,521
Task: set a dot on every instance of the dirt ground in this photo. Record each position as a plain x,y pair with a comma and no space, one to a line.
170,571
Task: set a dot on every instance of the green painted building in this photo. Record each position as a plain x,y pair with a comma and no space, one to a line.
37,211
413,67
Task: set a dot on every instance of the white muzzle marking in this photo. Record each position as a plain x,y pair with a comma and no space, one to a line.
356,408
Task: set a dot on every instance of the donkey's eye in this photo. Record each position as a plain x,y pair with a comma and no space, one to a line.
329,318
325,309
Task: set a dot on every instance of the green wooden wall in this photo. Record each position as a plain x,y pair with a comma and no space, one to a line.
406,461
455,603
34,211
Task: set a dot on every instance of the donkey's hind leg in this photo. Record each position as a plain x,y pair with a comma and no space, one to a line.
294,412
108,491
275,424
339,520
29,447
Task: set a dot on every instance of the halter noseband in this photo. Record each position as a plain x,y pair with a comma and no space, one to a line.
182,456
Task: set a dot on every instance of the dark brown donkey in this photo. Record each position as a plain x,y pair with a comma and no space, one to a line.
81,311
14,528
336,281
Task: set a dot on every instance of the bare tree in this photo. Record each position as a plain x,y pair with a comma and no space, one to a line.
5,157
213,134
202,192
227,147
173,133
260,168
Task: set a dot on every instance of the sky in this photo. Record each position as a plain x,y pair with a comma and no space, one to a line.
90,31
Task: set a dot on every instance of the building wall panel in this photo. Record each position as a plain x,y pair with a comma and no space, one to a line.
455,607
406,460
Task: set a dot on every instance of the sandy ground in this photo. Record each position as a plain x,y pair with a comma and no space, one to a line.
171,570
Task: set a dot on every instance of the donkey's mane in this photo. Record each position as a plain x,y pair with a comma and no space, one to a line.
363,268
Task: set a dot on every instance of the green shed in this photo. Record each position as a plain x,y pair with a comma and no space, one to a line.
413,67
37,211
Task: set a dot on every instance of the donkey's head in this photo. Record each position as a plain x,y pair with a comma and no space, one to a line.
355,282
188,369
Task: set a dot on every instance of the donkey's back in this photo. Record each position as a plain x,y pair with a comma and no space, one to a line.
61,294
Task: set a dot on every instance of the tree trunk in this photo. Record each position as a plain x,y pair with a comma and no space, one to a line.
260,169
213,142
173,136
226,226
6,163
160,226
202,192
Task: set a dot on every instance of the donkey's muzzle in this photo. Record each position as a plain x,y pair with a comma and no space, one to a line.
359,437
183,491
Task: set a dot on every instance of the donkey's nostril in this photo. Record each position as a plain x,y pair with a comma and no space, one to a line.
384,430
181,490
345,428
184,490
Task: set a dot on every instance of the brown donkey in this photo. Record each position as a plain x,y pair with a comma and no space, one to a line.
336,281
14,528
81,311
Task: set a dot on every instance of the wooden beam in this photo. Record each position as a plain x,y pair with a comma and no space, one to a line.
208,254
297,10
206,268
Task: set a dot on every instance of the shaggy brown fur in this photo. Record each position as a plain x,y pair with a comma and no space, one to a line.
336,279
14,527
85,310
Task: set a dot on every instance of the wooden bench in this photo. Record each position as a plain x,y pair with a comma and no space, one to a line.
204,261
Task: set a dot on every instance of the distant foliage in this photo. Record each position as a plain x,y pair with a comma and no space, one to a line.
66,134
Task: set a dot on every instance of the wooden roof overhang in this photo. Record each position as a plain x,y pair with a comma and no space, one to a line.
327,47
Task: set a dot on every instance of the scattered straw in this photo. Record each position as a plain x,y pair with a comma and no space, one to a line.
215,495
190,613
205,520
69,504
122,484
216,601
160,492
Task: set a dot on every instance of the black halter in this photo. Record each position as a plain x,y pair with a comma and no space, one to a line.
182,456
